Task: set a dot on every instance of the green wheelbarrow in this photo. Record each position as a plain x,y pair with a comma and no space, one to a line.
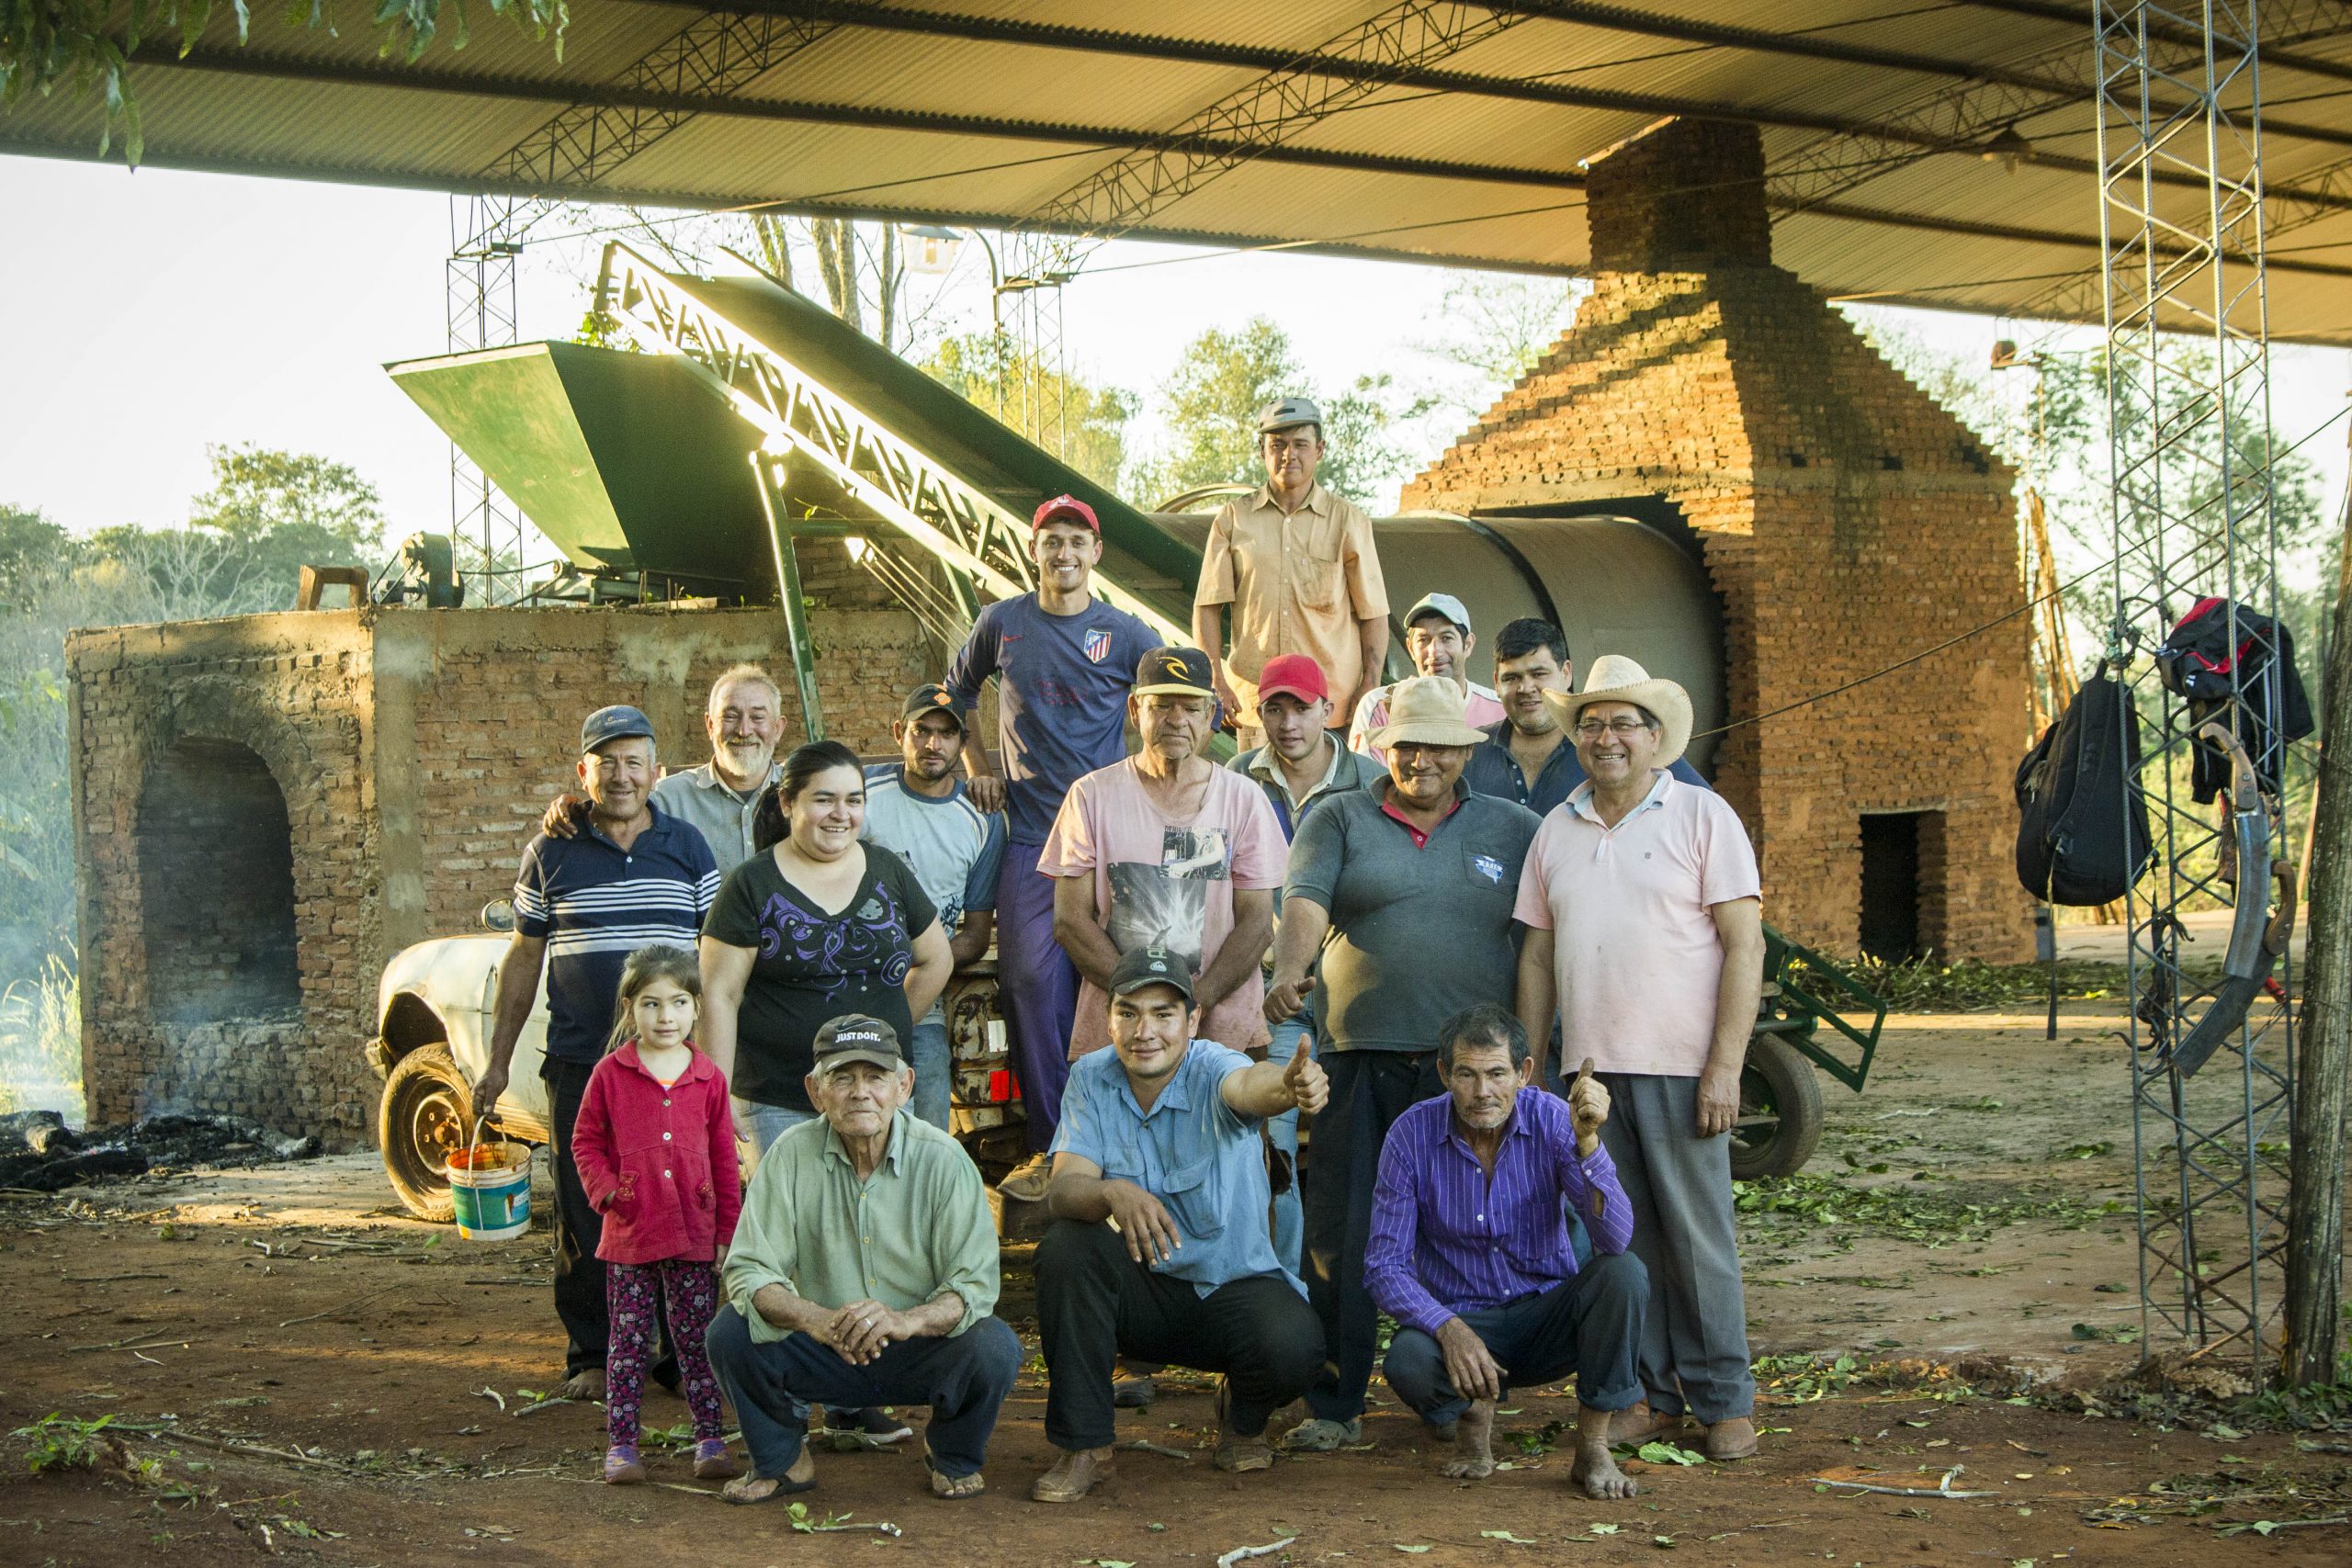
1780,1100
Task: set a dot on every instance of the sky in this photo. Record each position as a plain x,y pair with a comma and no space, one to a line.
156,312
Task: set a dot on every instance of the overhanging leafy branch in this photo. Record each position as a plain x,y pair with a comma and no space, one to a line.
87,45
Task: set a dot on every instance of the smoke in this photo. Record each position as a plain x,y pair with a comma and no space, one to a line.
40,1042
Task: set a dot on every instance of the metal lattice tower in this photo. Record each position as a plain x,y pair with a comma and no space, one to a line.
486,528
2190,506
712,56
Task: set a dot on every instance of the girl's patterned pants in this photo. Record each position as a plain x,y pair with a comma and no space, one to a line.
691,1291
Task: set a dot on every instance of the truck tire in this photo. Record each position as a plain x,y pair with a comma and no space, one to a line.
427,1107
1780,1112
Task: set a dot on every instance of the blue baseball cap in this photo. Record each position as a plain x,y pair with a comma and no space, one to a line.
619,722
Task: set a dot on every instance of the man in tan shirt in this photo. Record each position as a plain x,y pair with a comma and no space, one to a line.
1297,565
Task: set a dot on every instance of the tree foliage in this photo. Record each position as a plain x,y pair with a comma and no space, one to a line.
1210,403
87,45
265,513
994,373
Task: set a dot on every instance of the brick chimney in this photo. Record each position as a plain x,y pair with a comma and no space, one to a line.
1847,519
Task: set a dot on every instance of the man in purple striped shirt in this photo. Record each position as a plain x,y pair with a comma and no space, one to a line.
1470,1251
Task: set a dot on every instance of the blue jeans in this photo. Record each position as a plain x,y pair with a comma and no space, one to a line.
1289,1223
964,1380
770,1123
935,1073
1590,1323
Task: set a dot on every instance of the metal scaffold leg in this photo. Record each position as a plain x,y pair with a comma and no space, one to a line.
486,528
2187,373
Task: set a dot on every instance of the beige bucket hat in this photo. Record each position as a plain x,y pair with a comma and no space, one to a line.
1426,710
1613,678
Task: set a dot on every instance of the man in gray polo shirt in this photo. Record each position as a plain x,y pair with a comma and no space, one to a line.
1405,890
743,716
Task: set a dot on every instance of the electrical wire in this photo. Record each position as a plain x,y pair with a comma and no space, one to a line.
2030,605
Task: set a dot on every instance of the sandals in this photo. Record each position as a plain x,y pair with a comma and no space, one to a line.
746,1490
952,1488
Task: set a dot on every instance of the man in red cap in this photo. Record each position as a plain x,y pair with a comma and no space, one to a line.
1301,765
1064,661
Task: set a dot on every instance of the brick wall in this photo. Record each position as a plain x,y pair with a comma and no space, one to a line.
411,753
1847,521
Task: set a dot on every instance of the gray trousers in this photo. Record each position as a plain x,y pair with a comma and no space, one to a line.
1694,1339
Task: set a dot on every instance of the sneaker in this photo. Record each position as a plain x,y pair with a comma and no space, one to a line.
1073,1476
1027,1181
622,1467
713,1462
872,1427
1316,1436
1235,1453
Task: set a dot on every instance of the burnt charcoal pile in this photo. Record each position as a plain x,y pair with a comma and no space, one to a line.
38,1152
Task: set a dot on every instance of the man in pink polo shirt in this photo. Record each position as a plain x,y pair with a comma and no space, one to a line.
1643,919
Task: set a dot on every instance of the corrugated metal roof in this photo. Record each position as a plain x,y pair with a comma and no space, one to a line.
860,112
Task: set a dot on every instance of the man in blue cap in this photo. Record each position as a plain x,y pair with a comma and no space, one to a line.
636,875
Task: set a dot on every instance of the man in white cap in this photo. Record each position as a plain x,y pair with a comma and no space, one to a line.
1400,895
1643,910
1438,636
1297,566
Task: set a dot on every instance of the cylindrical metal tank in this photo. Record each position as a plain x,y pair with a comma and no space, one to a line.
1613,584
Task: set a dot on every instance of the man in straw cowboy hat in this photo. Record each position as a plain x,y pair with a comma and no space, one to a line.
1642,906
1404,890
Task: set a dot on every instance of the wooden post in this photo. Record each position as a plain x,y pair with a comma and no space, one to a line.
2315,1167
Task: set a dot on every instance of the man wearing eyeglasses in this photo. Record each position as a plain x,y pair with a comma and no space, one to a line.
1643,910
1527,756
1296,563
1400,895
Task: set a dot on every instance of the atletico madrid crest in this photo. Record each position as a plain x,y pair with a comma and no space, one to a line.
1098,645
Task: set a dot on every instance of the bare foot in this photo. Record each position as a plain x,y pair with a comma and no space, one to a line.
1474,1438
1596,1473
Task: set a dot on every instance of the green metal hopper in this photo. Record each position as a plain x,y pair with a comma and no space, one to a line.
627,462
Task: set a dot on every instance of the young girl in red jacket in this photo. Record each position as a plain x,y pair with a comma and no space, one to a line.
655,1145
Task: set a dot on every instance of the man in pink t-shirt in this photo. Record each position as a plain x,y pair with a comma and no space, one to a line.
1168,850
1644,921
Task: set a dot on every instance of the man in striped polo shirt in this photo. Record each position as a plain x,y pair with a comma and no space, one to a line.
583,905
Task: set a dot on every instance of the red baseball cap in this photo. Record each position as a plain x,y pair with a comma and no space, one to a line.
1065,507
1294,674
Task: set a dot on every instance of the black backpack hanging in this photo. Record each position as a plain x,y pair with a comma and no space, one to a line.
2200,662
2082,830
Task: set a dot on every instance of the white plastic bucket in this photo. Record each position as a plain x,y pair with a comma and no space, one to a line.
490,1185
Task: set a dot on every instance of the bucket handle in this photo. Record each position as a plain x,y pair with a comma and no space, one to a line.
474,1140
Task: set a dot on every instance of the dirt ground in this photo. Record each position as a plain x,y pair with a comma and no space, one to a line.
296,1371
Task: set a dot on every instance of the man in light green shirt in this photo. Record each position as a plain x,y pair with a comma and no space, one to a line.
863,1273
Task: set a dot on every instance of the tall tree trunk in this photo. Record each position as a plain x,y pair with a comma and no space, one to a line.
2315,1167
837,261
886,285
776,246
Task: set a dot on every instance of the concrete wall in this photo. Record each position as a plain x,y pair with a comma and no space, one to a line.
412,751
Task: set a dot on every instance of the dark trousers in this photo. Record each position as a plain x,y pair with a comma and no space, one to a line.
1036,984
964,1380
1590,1323
1095,1304
1369,1090
578,1272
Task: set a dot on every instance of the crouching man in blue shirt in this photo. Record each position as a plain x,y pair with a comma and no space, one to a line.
1159,1137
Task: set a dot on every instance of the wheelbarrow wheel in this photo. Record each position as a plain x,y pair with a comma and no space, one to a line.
1780,1112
